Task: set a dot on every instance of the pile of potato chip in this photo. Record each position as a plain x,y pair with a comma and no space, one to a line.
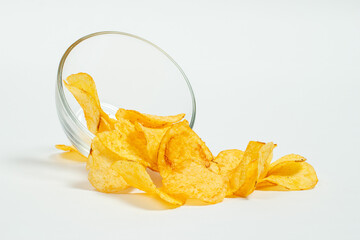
123,149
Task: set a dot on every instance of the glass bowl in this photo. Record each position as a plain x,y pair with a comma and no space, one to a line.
130,72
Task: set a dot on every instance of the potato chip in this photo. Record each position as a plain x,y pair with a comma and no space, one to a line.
245,176
84,82
228,160
136,176
104,125
110,121
291,175
126,142
153,138
288,158
89,105
101,175
264,185
265,157
184,162
183,145
71,153
66,148
147,120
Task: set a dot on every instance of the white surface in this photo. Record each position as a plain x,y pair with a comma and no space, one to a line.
286,71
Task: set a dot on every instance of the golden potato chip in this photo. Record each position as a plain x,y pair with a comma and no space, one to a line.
71,153
110,121
228,160
66,148
288,158
147,120
264,185
265,157
245,176
104,125
183,145
84,82
185,164
153,138
101,175
89,105
291,175
136,176
126,142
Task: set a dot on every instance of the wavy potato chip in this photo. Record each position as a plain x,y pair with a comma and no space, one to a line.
265,157
66,148
185,164
228,160
153,138
136,176
291,175
104,125
126,142
183,145
101,176
84,82
147,120
83,88
245,176
71,153
264,185
288,158
89,105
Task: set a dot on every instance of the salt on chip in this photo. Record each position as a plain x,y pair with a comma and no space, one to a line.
136,176
147,120
101,176
185,164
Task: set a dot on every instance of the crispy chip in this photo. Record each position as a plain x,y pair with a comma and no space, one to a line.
104,125
183,145
71,153
291,175
288,158
264,185
126,142
89,105
66,148
136,176
101,175
153,138
147,120
84,82
265,157
185,162
228,160
245,176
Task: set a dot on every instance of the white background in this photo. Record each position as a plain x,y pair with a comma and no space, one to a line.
282,71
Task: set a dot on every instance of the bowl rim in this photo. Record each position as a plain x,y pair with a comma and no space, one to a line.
60,88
